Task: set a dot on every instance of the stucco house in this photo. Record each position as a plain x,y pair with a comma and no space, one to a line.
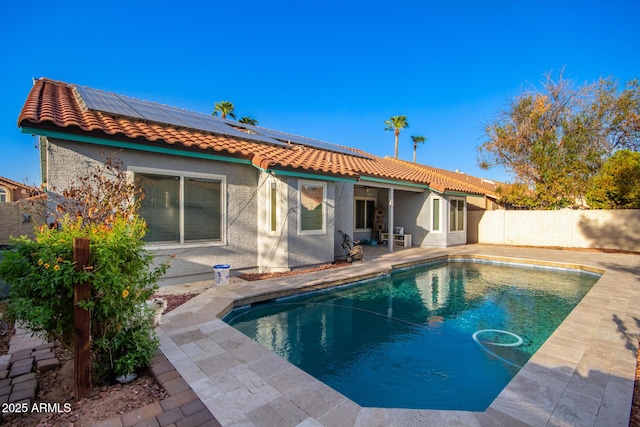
218,191
12,191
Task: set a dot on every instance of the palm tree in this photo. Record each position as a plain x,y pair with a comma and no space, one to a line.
417,140
225,108
248,121
396,123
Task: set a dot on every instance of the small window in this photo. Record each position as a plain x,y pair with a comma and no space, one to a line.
3,195
456,215
312,207
365,210
273,207
435,223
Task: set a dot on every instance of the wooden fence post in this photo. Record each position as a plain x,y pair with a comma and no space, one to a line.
82,319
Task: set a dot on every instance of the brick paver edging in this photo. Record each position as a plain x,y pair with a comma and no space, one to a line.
18,383
182,407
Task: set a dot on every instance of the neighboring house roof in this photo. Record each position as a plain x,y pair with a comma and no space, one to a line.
59,107
13,185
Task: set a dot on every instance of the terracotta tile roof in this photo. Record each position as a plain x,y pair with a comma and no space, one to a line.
443,180
13,185
54,105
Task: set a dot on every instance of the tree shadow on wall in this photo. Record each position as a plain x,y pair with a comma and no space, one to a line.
620,235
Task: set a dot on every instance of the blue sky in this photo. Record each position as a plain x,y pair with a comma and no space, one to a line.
332,70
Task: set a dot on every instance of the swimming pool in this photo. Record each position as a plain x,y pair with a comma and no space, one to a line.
442,336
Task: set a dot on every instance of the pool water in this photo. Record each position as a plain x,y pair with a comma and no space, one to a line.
443,336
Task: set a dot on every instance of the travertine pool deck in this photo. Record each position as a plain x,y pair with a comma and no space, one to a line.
582,376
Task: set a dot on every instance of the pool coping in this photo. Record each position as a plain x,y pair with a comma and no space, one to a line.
582,375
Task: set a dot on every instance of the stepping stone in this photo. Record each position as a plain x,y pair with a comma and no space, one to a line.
22,362
47,365
19,355
21,370
45,346
26,394
25,385
25,377
43,356
35,353
6,390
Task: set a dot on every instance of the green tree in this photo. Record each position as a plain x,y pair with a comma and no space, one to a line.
617,184
248,121
554,140
224,108
99,205
395,123
417,140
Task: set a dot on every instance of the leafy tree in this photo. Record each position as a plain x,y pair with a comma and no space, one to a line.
395,123
417,140
100,205
248,121
225,108
554,140
617,184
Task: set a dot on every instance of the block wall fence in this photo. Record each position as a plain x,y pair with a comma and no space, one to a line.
602,229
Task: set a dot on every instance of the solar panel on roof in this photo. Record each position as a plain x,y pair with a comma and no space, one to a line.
105,101
151,111
132,107
309,142
228,130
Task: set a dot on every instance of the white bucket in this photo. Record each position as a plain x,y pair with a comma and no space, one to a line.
221,274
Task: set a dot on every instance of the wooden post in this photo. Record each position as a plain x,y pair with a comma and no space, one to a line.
82,337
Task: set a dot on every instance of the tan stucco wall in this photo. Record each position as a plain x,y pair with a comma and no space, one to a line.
605,229
12,221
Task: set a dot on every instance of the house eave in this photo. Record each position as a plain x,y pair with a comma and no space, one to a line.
130,145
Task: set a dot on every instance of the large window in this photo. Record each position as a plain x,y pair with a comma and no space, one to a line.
435,215
181,208
312,213
456,215
365,209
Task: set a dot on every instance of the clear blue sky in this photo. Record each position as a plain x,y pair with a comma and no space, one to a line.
332,70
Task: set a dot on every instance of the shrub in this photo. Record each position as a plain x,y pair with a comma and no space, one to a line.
43,275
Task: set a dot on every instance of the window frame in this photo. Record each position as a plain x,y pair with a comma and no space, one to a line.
273,216
323,230
133,170
355,212
433,216
453,224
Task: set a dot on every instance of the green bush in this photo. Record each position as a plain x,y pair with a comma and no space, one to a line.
100,204
42,275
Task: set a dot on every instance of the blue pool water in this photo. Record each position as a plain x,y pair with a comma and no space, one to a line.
442,336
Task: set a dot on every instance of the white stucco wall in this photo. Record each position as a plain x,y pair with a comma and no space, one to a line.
454,238
607,229
343,213
435,238
412,214
272,245
309,249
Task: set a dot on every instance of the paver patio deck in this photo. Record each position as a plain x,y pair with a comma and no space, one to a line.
582,376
